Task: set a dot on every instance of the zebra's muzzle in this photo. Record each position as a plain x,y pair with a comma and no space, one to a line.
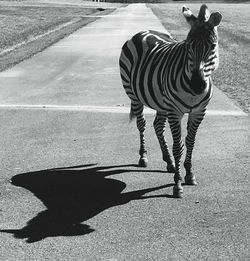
198,84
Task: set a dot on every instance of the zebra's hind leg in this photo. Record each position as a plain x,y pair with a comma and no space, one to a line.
194,121
178,147
159,126
137,110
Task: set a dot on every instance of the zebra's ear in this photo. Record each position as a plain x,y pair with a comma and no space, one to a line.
188,15
215,19
204,14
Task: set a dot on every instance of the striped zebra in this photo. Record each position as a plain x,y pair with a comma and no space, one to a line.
172,78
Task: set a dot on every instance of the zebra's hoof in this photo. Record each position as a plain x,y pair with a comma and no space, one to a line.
171,168
143,162
177,191
190,180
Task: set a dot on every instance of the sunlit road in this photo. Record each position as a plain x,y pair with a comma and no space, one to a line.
67,145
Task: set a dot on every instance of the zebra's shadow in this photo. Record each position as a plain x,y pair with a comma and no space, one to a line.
73,195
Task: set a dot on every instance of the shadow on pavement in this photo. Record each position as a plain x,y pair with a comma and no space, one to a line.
73,195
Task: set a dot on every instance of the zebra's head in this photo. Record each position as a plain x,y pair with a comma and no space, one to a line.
202,42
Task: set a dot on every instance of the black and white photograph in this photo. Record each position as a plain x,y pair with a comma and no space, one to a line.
125,130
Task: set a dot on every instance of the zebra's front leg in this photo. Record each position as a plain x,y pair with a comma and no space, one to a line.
159,126
141,125
194,121
178,147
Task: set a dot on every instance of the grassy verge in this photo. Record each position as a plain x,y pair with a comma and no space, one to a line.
233,74
23,26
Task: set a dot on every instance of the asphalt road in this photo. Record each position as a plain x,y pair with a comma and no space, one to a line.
69,186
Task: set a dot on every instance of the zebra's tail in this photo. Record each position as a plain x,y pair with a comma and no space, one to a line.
131,114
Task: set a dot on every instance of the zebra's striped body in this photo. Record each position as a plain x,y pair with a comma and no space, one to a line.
155,70
173,78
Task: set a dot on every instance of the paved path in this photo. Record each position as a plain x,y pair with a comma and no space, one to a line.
65,109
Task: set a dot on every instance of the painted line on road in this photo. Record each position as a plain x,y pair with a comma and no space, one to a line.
106,109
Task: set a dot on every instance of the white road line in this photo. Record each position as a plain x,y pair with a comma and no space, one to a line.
226,113
105,109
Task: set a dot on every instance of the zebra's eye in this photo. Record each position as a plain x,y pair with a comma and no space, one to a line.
213,46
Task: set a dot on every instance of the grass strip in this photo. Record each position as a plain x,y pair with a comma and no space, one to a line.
26,30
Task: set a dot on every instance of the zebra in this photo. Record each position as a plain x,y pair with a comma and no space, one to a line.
173,78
